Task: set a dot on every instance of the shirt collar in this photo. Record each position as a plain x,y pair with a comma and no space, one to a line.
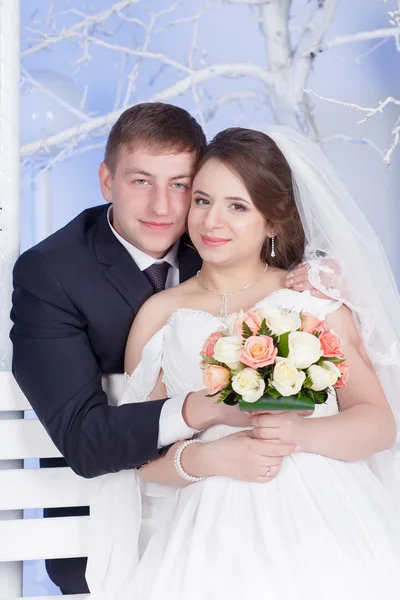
142,259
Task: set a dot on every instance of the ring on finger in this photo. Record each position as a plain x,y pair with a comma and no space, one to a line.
268,473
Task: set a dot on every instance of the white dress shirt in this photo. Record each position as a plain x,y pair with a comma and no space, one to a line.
172,426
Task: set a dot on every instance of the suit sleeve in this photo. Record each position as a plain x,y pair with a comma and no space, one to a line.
55,367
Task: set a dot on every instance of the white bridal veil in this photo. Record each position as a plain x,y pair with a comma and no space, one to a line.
335,228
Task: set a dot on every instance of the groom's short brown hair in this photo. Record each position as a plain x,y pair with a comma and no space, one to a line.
157,127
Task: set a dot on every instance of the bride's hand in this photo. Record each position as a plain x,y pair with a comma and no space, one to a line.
242,457
287,427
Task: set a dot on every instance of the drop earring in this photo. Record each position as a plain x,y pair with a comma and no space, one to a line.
273,247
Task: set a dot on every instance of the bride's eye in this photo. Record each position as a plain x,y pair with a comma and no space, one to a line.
202,201
238,207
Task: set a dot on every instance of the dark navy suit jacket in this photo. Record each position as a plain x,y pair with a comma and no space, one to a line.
75,296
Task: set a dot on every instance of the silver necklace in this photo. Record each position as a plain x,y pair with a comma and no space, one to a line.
223,311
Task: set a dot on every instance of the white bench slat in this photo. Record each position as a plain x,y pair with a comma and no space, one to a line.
11,397
37,539
74,597
44,488
25,438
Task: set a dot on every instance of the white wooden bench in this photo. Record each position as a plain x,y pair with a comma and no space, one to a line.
34,539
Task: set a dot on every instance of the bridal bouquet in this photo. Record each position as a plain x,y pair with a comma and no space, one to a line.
271,358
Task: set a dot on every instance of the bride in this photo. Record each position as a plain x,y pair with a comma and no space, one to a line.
323,521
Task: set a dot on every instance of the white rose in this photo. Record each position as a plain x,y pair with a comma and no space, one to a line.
323,376
228,350
286,379
231,320
280,320
248,384
304,349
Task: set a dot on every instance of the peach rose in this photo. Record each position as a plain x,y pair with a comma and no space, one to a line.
259,351
330,343
209,344
251,318
216,378
311,324
344,369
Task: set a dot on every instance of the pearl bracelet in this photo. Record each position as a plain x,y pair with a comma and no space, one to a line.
178,465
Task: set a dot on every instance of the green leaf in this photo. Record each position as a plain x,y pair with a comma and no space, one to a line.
247,332
228,396
208,359
283,345
308,382
320,397
271,391
264,330
334,359
268,402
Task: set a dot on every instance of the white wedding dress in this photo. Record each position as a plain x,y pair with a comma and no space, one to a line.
321,530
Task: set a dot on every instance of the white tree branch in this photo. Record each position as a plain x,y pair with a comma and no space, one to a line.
362,36
105,122
312,36
79,27
387,155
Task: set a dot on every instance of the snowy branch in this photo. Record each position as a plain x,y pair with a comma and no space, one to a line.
79,27
371,111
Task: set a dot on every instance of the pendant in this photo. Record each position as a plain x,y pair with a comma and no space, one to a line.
223,310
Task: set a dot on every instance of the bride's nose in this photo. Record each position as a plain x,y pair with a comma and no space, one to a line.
214,218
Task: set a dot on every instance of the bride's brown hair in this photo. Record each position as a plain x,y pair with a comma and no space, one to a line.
262,167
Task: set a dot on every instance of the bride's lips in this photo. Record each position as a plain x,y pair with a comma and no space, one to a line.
154,226
213,242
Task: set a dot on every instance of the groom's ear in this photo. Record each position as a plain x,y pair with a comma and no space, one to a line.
105,181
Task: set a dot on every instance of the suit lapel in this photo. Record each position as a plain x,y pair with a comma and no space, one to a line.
120,269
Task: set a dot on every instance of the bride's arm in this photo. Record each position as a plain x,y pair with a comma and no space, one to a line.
237,456
365,425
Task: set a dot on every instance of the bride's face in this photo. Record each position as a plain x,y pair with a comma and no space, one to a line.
224,224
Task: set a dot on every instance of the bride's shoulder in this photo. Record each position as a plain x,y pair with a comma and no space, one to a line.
150,319
161,306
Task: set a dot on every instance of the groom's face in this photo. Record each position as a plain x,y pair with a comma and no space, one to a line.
150,194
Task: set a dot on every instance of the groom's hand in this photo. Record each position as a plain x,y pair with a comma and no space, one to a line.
329,273
200,412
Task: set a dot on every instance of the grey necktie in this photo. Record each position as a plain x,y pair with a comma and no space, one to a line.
157,275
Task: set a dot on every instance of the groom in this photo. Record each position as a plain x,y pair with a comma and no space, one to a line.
78,291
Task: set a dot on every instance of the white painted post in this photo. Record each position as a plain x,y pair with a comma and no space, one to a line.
41,206
10,573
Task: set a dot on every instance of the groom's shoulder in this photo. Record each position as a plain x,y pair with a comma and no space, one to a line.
64,249
78,231
72,238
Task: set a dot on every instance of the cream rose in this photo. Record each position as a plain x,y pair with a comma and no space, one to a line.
323,376
228,350
286,379
231,320
279,320
248,384
304,349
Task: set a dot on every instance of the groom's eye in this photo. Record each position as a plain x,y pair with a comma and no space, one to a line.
181,186
140,181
